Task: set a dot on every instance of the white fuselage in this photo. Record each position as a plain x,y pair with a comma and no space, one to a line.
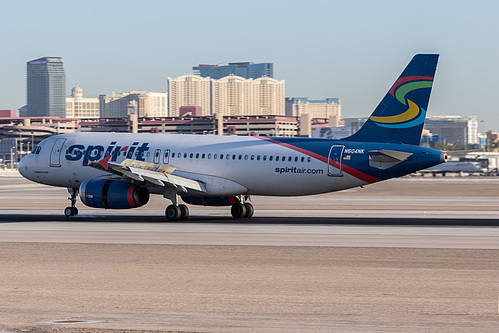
228,165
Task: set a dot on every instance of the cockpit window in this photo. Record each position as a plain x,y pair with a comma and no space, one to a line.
36,150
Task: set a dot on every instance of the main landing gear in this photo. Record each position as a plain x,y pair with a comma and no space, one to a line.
177,212
242,210
72,210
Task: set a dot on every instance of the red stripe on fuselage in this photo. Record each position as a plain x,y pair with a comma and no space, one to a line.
403,80
351,171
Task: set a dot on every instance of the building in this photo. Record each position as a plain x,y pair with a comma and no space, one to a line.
8,113
247,70
268,96
454,130
236,96
232,96
79,107
354,123
140,103
189,90
46,86
326,108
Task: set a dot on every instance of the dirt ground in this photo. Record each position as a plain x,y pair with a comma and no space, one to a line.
170,288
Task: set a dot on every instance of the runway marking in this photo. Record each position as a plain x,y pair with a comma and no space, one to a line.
259,232
71,322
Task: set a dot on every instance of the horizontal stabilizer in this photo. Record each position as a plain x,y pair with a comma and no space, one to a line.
384,159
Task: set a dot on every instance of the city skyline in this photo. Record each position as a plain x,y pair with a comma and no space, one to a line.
346,50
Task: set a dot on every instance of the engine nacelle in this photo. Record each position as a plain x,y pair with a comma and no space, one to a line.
113,194
210,201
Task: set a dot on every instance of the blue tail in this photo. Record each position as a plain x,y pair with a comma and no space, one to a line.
400,116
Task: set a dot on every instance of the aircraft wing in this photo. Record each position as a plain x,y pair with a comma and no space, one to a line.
150,173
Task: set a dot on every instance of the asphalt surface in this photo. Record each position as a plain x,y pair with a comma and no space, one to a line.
404,255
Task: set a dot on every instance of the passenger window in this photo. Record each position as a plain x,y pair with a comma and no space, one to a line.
221,156
289,159
277,158
185,155
209,156
270,158
240,157
258,157
309,159
252,157
166,153
191,155
173,155
202,156
245,157
303,159
233,156
215,156
227,157
296,159
197,155
264,157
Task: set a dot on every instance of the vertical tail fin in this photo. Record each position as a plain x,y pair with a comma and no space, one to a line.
400,116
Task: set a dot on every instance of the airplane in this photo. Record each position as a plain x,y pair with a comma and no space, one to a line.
454,167
121,170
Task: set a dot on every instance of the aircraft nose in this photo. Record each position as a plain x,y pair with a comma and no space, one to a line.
23,167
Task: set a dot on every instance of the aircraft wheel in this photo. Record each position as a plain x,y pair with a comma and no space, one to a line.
172,213
75,211
250,210
238,210
184,212
68,211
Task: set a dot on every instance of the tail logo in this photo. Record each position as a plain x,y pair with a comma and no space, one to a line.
414,115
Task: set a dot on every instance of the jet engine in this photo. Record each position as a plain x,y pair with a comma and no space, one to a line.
113,194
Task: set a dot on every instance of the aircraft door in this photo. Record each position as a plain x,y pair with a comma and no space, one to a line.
334,161
166,156
55,154
157,155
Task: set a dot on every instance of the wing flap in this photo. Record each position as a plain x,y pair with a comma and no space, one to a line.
150,173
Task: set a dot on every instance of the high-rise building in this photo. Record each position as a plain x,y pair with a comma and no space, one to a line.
140,103
78,106
230,96
237,96
46,83
268,96
247,70
189,90
329,107
462,131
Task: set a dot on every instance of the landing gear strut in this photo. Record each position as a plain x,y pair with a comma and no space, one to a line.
174,212
72,210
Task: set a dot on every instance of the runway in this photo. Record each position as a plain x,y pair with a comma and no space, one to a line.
406,255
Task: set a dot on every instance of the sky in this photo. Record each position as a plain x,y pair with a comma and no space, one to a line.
351,50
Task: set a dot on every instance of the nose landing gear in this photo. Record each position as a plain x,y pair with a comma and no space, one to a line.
72,210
